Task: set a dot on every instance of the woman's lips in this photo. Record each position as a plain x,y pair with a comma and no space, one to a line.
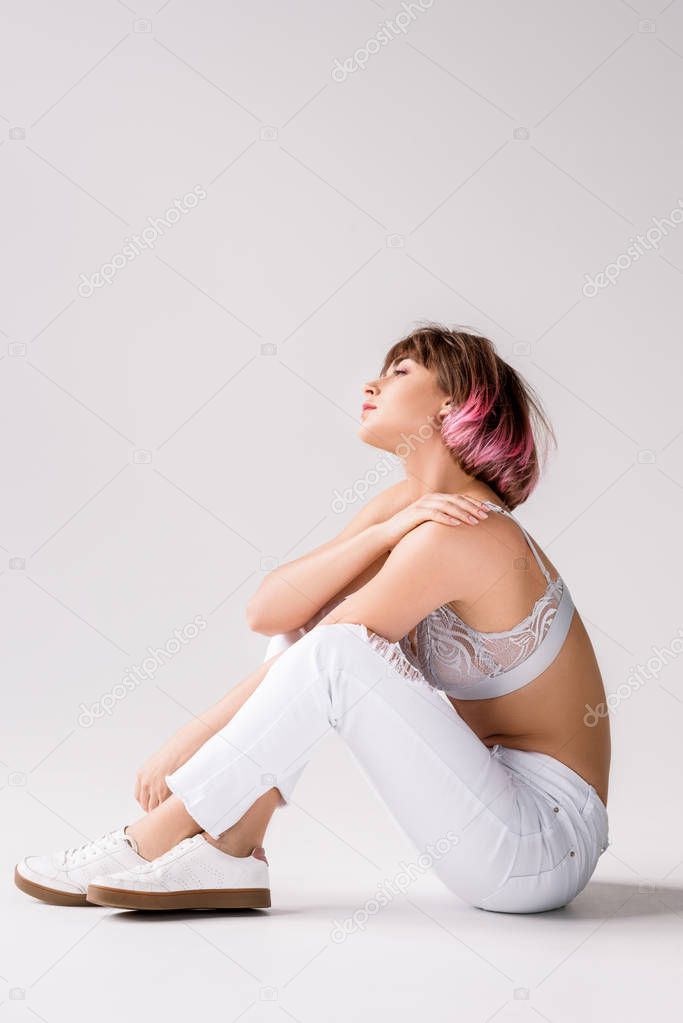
367,408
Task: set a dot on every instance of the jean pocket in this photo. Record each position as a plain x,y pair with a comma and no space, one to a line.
595,817
537,893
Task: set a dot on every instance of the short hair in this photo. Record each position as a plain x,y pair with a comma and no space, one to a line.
498,430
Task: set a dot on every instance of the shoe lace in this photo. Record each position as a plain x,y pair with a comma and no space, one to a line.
86,850
173,852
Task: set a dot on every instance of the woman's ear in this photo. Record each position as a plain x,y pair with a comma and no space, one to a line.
446,409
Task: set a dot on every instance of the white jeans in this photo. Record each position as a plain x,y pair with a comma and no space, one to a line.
514,831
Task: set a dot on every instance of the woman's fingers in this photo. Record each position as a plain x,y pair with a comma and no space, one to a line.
470,506
442,516
467,509
141,794
157,796
452,509
460,511
150,794
475,504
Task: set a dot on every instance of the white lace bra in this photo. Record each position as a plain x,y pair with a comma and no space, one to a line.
470,665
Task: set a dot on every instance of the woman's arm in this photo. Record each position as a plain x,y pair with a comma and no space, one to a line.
368,603
291,595
423,571
428,567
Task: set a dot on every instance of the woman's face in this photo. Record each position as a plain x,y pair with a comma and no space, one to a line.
405,403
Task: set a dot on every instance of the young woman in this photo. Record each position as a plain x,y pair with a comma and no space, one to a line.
452,661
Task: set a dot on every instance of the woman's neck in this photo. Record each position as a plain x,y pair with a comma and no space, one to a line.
441,474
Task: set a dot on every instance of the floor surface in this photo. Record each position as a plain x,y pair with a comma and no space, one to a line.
325,950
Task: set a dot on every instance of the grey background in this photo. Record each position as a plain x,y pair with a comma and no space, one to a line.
170,438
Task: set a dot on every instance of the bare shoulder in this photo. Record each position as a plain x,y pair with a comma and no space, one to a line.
443,545
450,541
459,554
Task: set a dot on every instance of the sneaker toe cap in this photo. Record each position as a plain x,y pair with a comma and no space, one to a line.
34,865
42,870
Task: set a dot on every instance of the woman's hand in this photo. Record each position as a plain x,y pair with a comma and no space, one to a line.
452,509
150,788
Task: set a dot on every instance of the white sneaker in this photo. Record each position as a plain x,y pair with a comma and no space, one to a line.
62,878
194,874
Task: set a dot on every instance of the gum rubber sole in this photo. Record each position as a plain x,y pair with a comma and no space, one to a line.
211,898
45,894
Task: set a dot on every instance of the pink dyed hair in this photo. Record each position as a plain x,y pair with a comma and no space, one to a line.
498,422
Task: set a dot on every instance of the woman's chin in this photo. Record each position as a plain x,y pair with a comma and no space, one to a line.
374,439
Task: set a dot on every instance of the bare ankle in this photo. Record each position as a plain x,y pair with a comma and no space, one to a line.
234,845
140,847
149,849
